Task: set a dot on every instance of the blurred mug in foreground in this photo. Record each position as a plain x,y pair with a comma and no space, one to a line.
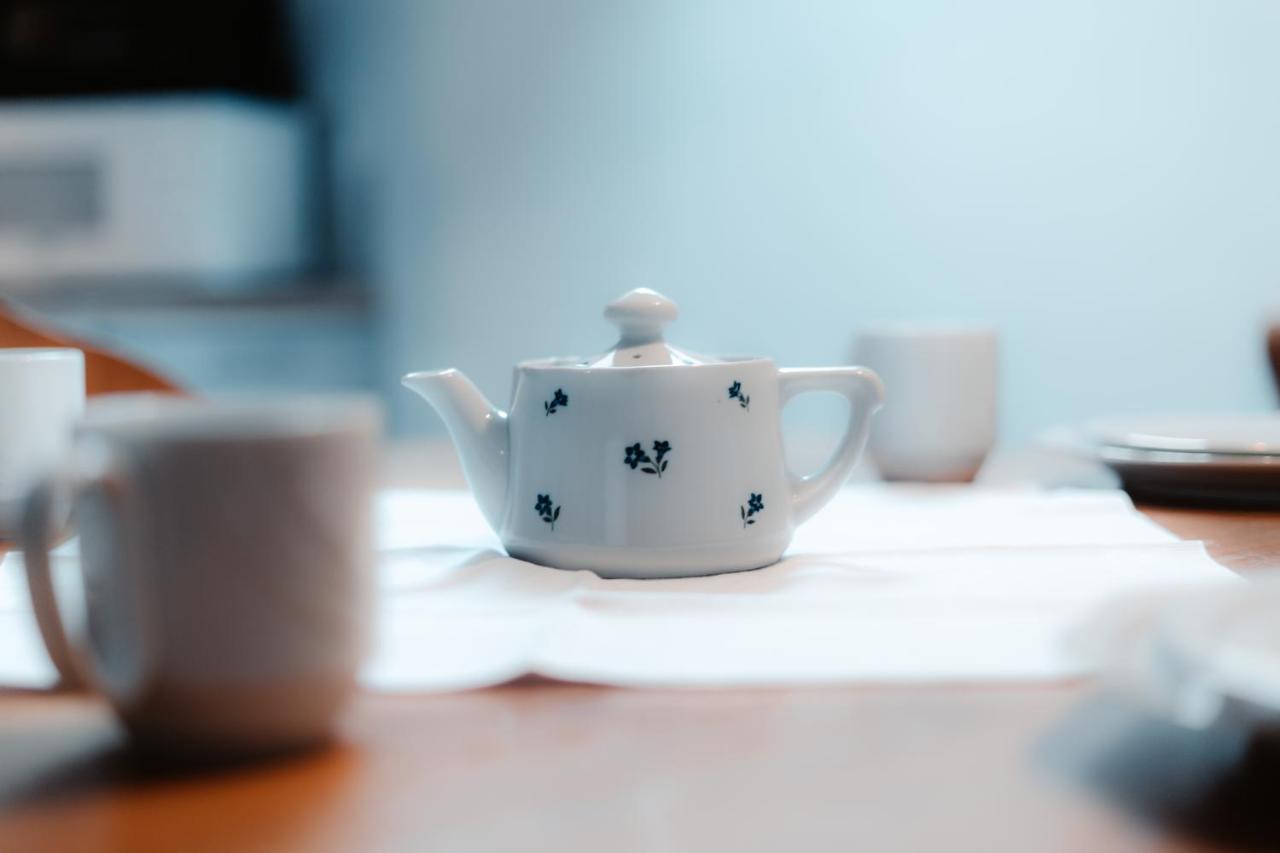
226,551
939,419
41,398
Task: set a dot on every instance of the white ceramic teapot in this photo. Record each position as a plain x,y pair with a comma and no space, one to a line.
647,461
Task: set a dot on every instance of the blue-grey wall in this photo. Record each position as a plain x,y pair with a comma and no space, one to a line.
1099,179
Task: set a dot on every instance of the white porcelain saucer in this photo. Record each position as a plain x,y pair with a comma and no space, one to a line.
1252,434
1203,460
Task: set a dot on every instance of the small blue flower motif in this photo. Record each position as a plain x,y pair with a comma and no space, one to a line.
755,504
735,389
735,393
546,511
635,455
656,464
559,400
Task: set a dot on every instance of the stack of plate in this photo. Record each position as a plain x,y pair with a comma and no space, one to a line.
1220,460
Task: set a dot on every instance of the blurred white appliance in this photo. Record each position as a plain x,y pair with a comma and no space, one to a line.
207,188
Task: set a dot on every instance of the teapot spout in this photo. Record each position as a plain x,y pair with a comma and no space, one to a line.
479,432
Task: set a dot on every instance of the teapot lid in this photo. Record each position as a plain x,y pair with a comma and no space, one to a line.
641,315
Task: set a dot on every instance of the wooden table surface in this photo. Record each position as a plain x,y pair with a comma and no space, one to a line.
539,765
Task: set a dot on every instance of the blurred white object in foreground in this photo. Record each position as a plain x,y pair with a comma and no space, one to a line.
1202,656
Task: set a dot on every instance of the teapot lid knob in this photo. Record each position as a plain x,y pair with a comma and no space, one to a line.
640,316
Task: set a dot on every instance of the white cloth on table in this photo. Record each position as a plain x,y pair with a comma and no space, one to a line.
886,584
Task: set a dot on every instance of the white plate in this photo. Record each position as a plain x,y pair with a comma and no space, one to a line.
1253,434
1186,477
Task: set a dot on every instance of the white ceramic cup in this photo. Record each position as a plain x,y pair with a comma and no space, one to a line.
939,419
226,551
41,397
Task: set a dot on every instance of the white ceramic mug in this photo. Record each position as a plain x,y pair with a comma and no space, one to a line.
41,397
939,423
226,551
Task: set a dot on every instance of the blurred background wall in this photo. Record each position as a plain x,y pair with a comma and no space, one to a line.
324,194
1098,179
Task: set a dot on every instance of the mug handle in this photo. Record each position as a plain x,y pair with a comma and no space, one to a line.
865,393
46,508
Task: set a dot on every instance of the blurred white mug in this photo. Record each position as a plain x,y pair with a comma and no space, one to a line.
41,397
939,419
226,551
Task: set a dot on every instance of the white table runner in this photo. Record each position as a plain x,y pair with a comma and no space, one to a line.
906,584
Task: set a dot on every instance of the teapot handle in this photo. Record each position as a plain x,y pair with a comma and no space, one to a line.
865,393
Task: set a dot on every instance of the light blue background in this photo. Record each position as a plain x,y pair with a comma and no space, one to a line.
1101,180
